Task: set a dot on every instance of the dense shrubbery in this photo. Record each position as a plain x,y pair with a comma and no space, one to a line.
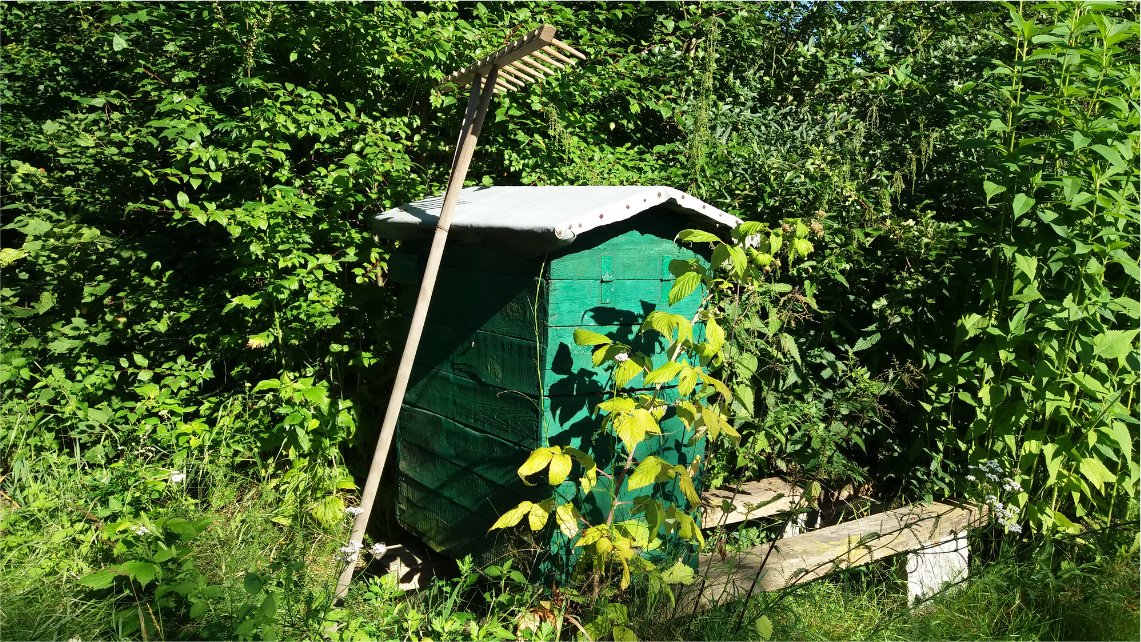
190,285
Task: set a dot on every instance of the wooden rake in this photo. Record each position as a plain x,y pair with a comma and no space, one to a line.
529,59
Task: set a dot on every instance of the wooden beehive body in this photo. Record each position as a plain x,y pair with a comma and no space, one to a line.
498,374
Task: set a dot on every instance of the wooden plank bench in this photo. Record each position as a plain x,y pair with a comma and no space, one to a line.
935,533
754,500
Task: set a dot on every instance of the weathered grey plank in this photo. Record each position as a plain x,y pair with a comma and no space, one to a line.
812,555
755,500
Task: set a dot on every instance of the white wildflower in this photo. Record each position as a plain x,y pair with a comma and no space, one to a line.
621,356
142,530
176,476
971,478
378,549
349,553
354,511
1011,485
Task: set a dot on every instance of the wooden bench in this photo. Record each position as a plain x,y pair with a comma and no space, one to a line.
932,535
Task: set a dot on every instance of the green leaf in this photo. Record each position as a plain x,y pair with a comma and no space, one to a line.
181,527
684,286
1022,204
697,236
679,573
587,338
664,373
118,43
1027,265
991,189
1114,344
183,199
142,572
626,371
100,579
866,342
764,628
253,583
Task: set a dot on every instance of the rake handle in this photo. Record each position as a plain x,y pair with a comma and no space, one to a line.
473,122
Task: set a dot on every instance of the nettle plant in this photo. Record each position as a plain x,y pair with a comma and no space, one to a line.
702,402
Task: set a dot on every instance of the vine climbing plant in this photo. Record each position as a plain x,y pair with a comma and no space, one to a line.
703,404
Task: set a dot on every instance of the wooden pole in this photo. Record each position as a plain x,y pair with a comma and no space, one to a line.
473,123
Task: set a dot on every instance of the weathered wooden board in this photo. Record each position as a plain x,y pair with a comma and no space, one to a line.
630,255
618,302
511,416
503,304
431,445
802,558
447,526
754,500
513,363
463,257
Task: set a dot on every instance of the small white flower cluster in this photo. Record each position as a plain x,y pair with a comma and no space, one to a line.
989,467
1006,515
354,511
622,356
142,530
350,553
176,476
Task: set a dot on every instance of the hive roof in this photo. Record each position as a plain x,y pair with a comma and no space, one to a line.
543,218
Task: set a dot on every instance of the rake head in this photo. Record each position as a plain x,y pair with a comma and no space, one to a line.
528,59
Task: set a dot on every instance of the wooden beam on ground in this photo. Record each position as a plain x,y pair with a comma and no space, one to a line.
815,554
754,500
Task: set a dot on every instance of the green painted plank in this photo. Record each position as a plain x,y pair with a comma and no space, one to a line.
448,527
508,415
511,363
479,257
494,359
577,303
427,438
480,300
570,367
634,255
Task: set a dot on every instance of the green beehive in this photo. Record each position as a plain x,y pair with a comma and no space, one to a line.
498,373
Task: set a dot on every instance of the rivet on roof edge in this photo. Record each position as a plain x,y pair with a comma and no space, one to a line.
599,216
627,207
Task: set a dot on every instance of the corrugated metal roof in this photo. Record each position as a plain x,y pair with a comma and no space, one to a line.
547,216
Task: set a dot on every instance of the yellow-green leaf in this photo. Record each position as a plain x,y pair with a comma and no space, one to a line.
566,516
587,338
560,469
626,371
646,473
537,461
664,373
537,516
513,516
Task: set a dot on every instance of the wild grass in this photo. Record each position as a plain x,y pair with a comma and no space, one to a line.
1021,595
52,537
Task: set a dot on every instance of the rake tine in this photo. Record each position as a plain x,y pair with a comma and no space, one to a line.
531,61
569,49
514,76
550,61
555,52
516,66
